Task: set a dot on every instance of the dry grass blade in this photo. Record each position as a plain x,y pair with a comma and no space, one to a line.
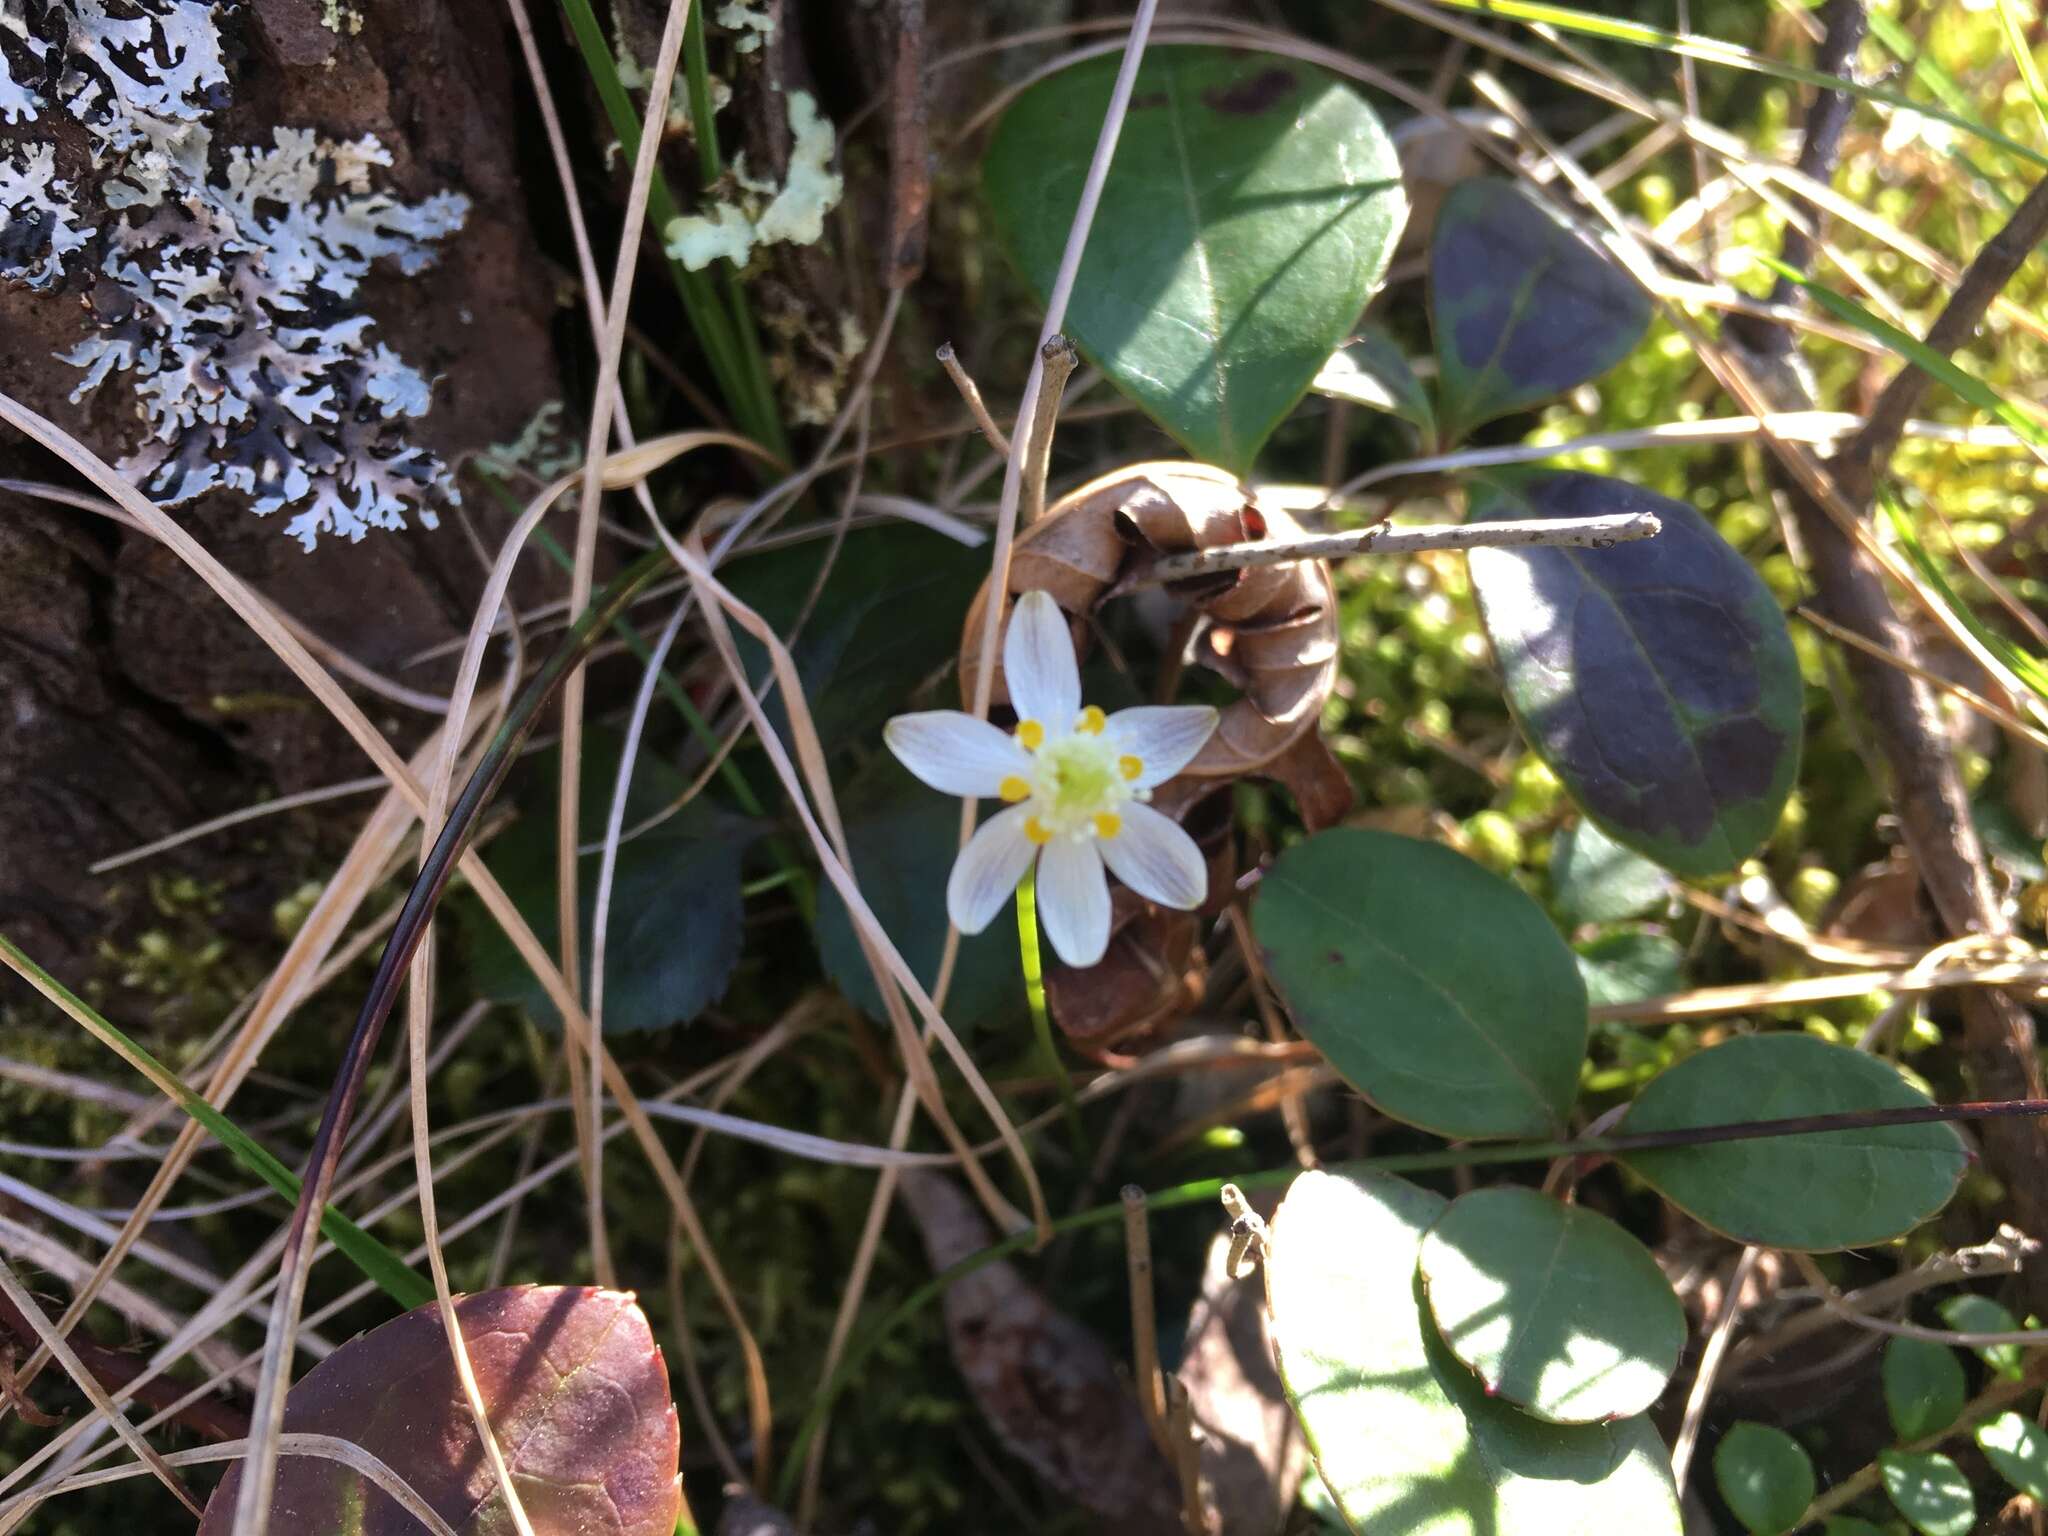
329,1447
89,1384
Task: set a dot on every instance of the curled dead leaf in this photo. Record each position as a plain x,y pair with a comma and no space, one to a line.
1270,631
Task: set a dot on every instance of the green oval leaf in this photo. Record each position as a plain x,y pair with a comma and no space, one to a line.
1930,1491
1629,965
1967,1312
575,1391
2018,1448
1552,1306
1249,213
1406,1440
1656,678
672,939
1814,1191
903,839
1593,879
1524,307
1438,990
1765,1477
1371,370
1924,1389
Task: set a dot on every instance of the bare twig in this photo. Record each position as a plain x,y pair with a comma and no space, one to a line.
971,393
1145,1373
910,144
1710,1367
1864,456
1905,713
1384,539
1060,360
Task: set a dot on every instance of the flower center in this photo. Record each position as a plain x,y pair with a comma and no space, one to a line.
1077,784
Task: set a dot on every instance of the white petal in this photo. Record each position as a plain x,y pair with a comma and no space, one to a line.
1038,664
1164,737
988,869
955,752
1155,858
1073,901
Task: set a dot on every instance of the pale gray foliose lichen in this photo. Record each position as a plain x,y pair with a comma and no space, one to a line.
230,298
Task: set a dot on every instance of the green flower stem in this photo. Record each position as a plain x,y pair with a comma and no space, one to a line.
390,1272
1041,1020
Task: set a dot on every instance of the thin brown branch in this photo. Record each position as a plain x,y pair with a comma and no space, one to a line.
910,147
1863,458
114,1370
2002,1394
971,393
1602,532
1060,361
1904,712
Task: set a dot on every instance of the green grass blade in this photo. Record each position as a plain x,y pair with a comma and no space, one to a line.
1708,50
391,1273
2023,664
725,330
1915,351
2023,56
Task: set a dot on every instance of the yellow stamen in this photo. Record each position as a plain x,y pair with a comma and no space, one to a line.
1108,824
1035,830
1091,722
1031,734
1014,789
1130,767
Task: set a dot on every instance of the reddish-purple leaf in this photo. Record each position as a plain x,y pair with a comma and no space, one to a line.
577,1396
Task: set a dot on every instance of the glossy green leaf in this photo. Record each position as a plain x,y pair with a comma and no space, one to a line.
574,1388
903,839
888,614
1930,1491
1250,212
1554,1307
1765,1477
1967,1312
1371,370
1656,678
1924,1389
1816,1190
1438,990
2018,1448
1629,965
1523,306
673,934
1406,1439
1594,879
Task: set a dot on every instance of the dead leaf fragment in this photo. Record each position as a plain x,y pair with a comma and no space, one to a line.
1046,1384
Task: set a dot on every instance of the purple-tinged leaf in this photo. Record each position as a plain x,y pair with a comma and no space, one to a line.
576,1393
1524,307
1656,678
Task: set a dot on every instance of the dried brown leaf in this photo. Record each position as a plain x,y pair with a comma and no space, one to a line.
1252,1451
576,1393
1046,1384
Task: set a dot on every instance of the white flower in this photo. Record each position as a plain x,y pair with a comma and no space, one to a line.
1075,781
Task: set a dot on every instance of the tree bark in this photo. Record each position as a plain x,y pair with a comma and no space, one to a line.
135,703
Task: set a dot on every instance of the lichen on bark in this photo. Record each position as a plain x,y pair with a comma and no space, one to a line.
222,279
